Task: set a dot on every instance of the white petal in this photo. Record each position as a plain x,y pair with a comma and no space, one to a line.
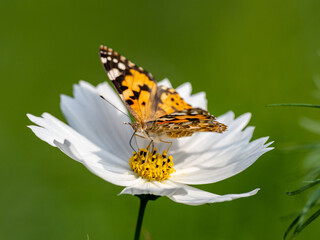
208,141
98,120
165,188
209,157
43,134
165,82
102,163
204,175
113,174
197,100
109,93
196,196
184,90
226,118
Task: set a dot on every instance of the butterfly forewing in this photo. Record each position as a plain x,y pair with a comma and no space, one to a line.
136,87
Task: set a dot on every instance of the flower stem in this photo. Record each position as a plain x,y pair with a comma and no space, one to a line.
143,204
144,198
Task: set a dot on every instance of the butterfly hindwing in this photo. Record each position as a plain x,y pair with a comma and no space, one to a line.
186,122
169,101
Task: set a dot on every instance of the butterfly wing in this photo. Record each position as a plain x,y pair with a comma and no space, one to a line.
159,106
138,89
169,101
186,122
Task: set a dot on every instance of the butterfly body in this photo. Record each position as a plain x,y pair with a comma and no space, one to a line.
159,111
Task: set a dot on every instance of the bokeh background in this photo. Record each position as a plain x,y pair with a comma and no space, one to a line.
244,54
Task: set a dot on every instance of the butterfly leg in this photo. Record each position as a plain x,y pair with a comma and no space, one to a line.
152,145
135,139
134,135
130,142
136,142
167,142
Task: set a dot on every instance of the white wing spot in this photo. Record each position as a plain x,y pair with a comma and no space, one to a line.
114,72
115,60
131,64
121,66
109,58
178,114
103,60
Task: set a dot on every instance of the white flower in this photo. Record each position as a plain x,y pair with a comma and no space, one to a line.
97,138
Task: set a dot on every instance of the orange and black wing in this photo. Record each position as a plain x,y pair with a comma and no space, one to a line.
186,122
169,101
148,102
138,89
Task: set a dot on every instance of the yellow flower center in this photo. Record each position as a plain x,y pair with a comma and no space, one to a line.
152,165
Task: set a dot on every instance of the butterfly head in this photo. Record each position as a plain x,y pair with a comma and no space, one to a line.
137,127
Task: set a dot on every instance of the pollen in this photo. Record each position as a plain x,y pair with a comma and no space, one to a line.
152,165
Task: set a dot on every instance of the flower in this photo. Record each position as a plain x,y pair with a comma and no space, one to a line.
97,138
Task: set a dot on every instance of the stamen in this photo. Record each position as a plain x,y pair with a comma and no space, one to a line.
152,165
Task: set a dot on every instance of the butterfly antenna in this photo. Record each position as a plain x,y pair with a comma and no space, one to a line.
115,106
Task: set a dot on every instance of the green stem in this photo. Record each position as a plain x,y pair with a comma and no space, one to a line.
144,198
143,204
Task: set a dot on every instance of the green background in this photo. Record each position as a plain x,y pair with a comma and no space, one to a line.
244,54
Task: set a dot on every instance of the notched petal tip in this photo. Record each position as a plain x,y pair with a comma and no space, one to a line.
30,116
64,97
269,143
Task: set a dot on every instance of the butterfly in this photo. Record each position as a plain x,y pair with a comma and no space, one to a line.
159,112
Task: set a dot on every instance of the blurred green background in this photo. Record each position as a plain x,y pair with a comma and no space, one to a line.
244,54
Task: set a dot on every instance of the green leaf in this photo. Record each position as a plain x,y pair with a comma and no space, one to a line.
314,198
299,222
307,222
294,105
303,188
295,221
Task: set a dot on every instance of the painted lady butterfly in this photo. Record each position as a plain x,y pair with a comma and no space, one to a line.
159,112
